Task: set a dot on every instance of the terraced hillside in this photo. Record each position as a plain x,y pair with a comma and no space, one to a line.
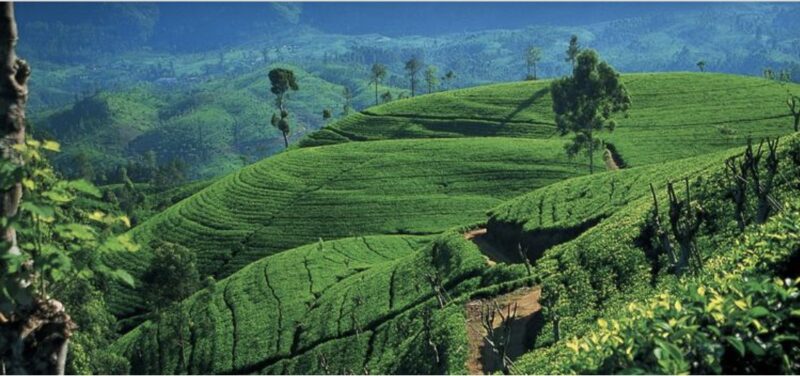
429,165
674,115
355,307
583,233
386,187
380,313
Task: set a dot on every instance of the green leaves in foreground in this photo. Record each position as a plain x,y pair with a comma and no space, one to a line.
738,321
746,327
57,239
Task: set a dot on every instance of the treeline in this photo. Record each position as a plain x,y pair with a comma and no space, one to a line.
142,169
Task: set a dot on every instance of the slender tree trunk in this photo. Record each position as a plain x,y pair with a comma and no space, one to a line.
413,85
36,334
797,122
376,92
529,69
285,140
591,154
534,72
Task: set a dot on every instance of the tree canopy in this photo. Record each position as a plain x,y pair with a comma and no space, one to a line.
282,81
412,67
586,102
377,74
532,57
431,78
573,50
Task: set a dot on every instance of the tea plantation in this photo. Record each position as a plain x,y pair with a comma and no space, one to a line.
347,254
674,115
386,187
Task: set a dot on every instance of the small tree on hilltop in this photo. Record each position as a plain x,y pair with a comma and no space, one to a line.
448,79
412,67
585,103
282,81
532,57
347,96
386,97
573,50
431,79
701,65
377,75
326,115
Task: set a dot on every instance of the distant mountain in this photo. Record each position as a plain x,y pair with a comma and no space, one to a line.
77,32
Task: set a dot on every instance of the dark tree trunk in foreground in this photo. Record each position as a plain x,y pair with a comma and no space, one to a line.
13,96
33,336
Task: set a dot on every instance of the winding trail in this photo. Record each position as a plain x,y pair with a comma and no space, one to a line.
481,358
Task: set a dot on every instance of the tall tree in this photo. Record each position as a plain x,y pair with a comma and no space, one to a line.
13,98
282,81
34,333
573,50
585,103
532,57
377,75
448,79
347,104
413,66
326,114
701,65
431,79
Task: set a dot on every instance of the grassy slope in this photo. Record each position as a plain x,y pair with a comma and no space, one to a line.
295,198
331,299
579,270
369,315
674,115
605,269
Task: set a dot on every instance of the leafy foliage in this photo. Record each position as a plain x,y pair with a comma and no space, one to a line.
585,103
735,319
57,241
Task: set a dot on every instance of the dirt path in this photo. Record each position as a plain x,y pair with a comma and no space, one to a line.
494,254
481,358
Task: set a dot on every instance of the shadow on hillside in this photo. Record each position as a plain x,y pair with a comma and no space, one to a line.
525,104
525,329
508,237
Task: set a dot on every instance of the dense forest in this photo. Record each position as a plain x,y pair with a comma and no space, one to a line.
214,188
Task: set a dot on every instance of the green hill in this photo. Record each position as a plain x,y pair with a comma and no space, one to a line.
424,176
674,115
380,314
386,187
